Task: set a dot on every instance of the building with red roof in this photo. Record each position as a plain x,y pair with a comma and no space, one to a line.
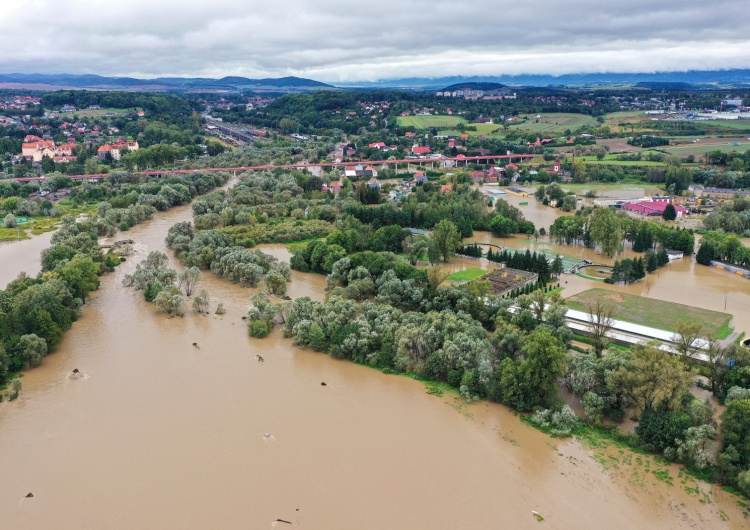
653,208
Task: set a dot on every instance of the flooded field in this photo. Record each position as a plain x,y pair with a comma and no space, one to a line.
164,434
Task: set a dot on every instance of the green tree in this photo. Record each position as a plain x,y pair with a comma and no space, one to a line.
171,302
201,302
445,239
606,231
600,313
32,350
81,274
275,283
10,221
669,213
188,279
502,226
685,337
532,382
735,429
654,379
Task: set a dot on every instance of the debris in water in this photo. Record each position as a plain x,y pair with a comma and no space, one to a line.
266,434
260,359
323,384
29,495
537,515
282,521
75,374
196,345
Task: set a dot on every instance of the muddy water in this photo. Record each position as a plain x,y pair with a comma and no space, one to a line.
682,281
163,434
22,256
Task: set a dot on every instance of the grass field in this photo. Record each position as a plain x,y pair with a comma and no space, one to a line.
656,313
702,149
491,130
552,124
466,275
427,122
611,160
96,113
727,124
607,186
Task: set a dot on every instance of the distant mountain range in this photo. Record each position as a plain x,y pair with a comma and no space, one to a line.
172,84
660,80
699,78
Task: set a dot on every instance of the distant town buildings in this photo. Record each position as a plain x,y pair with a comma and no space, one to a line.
115,150
34,148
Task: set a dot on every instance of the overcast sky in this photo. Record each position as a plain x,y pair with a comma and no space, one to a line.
332,40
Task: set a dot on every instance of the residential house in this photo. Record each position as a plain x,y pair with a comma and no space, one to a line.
477,176
420,178
373,183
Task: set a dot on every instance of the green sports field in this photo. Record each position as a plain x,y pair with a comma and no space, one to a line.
656,313
428,122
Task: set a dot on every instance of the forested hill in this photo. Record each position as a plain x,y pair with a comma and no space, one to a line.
166,83
474,86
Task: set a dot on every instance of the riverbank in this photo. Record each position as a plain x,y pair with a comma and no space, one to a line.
175,430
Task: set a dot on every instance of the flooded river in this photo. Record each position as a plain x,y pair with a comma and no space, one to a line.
163,434
22,256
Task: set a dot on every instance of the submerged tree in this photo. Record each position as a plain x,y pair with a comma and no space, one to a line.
606,231
188,279
171,302
445,239
201,302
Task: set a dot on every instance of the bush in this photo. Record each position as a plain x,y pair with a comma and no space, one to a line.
659,430
259,329
559,423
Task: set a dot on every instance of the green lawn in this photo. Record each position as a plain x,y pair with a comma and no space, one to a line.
427,122
466,275
551,124
656,313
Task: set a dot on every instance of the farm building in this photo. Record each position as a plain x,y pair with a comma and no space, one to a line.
651,208
505,279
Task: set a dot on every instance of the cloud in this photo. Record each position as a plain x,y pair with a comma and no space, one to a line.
345,41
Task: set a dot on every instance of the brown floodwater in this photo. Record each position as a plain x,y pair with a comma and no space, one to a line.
164,434
22,256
